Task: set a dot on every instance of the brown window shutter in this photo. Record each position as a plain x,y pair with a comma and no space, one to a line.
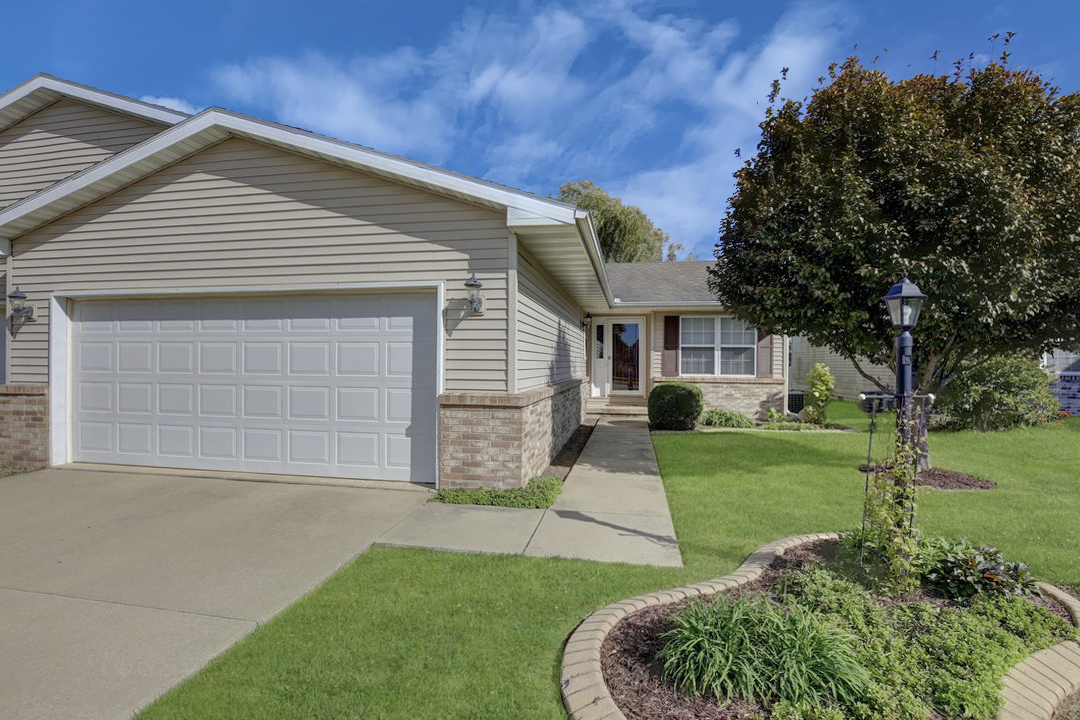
764,355
669,359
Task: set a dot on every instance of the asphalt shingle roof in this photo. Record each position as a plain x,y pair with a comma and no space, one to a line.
660,282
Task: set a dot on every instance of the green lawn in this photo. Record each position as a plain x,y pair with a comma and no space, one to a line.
406,633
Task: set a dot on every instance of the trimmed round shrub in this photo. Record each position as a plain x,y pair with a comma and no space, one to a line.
675,406
1000,393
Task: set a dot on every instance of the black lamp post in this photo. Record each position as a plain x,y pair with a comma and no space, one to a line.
905,302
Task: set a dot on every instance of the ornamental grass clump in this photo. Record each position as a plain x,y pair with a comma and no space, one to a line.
726,418
754,648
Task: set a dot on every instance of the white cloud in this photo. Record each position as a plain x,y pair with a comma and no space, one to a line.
172,103
523,99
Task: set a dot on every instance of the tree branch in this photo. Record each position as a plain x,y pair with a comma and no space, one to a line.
858,369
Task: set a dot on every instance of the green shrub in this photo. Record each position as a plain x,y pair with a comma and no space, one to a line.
998,394
920,656
964,571
725,418
821,382
539,493
674,406
751,649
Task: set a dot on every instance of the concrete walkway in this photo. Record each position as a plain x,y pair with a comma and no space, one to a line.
612,509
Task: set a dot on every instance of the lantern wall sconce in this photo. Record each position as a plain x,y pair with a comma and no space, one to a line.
474,294
586,322
21,311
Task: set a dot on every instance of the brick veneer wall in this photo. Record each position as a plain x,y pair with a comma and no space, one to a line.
749,396
1067,388
503,441
24,426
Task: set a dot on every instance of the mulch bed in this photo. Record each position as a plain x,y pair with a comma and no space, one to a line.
946,479
562,463
635,681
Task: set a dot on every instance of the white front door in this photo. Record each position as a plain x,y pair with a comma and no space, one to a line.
333,385
618,357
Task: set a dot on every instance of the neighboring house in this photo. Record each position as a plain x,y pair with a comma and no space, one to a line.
216,292
1066,366
849,383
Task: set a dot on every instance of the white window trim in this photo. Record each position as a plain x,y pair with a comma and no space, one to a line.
716,347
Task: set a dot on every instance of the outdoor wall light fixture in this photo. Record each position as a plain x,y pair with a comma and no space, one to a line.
586,322
474,294
21,312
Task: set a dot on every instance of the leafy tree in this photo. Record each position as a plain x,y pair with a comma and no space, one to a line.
969,182
626,234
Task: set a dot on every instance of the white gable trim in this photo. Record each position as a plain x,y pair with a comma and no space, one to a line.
42,90
213,125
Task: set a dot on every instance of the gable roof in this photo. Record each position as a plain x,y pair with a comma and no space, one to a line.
660,283
43,89
561,236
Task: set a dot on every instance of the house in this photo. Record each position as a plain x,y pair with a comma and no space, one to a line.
216,292
849,383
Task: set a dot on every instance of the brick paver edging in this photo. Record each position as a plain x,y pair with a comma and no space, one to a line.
1032,689
1035,687
585,694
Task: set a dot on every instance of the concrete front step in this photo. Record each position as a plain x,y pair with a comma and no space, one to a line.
617,410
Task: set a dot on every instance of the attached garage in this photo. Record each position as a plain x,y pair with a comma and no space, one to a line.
338,385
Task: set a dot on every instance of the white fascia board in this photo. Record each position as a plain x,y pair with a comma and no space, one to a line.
592,247
517,218
212,125
85,93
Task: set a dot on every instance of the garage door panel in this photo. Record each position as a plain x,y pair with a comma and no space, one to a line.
336,385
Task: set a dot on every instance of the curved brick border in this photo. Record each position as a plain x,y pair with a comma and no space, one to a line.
585,694
1033,689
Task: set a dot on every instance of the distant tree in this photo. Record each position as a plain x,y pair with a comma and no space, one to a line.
969,182
672,250
626,234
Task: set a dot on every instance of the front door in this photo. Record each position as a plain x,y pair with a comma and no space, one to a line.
618,356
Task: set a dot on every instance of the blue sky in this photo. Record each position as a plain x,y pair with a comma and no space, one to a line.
647,99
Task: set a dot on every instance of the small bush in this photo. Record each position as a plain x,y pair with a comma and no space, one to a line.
724,418
752,649
821,382
539,493
1000,393
965,571
675,406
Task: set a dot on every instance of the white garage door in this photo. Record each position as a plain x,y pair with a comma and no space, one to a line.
332,385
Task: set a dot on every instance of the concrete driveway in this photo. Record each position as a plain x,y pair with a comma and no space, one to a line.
116,586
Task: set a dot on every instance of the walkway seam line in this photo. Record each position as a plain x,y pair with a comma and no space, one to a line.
256,623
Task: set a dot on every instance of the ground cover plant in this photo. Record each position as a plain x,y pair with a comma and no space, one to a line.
726,418
817,636
412,633
539,493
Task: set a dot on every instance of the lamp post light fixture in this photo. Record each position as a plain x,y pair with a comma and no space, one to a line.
905,302
474,294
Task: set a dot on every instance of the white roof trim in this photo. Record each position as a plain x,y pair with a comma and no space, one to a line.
43,89
214,124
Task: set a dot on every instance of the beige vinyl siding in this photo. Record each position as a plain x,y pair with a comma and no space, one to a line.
245,214
550,341
59,141
849,383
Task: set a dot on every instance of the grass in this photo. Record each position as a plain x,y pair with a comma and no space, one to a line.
411,633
